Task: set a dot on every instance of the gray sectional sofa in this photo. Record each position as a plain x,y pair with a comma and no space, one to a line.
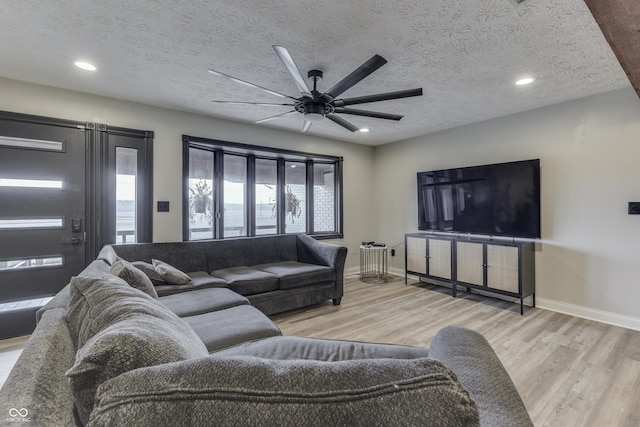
115,348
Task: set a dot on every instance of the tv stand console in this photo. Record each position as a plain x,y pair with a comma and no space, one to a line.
494,266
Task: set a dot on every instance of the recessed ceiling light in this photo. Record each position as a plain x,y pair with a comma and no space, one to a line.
364,130
85,65
525,81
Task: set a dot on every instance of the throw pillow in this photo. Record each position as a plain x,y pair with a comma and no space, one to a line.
170,274
125,329
133,276
261,392
150,271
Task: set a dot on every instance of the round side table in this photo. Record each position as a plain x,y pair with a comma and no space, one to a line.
373,264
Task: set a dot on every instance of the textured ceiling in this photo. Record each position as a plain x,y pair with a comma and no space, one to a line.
464,54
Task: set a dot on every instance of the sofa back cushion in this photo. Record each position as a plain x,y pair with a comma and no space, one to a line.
185,256
120,329
96,302
210,255
260,392
133,276
251,251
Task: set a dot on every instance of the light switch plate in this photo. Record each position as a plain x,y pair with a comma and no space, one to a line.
163,206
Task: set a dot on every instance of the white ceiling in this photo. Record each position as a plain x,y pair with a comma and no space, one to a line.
464,54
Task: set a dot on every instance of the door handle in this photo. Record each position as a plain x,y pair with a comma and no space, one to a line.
71,241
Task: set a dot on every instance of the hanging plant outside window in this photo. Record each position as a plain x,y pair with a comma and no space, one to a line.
292,205
201,202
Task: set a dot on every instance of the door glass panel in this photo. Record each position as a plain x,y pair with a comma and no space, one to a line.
34,144
31,263
21,305
324,213
235,178
295,193
266,183
201,216
25,224
30,183
126,172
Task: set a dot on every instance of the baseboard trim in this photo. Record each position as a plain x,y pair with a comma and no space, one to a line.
351,271
602,316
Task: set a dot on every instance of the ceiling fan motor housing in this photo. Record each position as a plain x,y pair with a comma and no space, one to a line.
313,110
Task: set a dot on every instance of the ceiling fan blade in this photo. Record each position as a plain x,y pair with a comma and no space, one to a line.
378,97
237,80
277,116
367,113
287,61
358,74
342,122
306,126
266,104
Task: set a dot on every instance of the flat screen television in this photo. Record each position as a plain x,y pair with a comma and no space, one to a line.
501,199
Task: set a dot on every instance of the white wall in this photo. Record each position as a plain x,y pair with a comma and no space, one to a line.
588,262
169,126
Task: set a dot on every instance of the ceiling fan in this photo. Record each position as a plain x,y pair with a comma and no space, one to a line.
315,106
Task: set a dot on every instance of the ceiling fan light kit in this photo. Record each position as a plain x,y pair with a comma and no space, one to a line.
314,105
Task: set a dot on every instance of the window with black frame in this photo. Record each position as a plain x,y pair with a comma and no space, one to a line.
237,190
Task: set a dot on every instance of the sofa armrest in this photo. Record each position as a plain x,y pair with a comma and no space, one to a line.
469,355
314,252
37,383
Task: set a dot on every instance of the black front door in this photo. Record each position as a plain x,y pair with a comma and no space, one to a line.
42,215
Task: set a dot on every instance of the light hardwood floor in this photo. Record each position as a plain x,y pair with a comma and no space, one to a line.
569,371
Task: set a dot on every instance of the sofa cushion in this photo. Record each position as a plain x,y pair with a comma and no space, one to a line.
126,329
133,276
170,274
202,301
199,280
247,280
284,347
225,328
293,274
150,271
261,392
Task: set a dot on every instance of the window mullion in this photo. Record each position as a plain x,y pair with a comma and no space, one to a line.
218,194
280,198
309,188
250,206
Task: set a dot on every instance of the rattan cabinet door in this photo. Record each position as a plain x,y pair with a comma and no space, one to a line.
416,255
440,258
502,268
